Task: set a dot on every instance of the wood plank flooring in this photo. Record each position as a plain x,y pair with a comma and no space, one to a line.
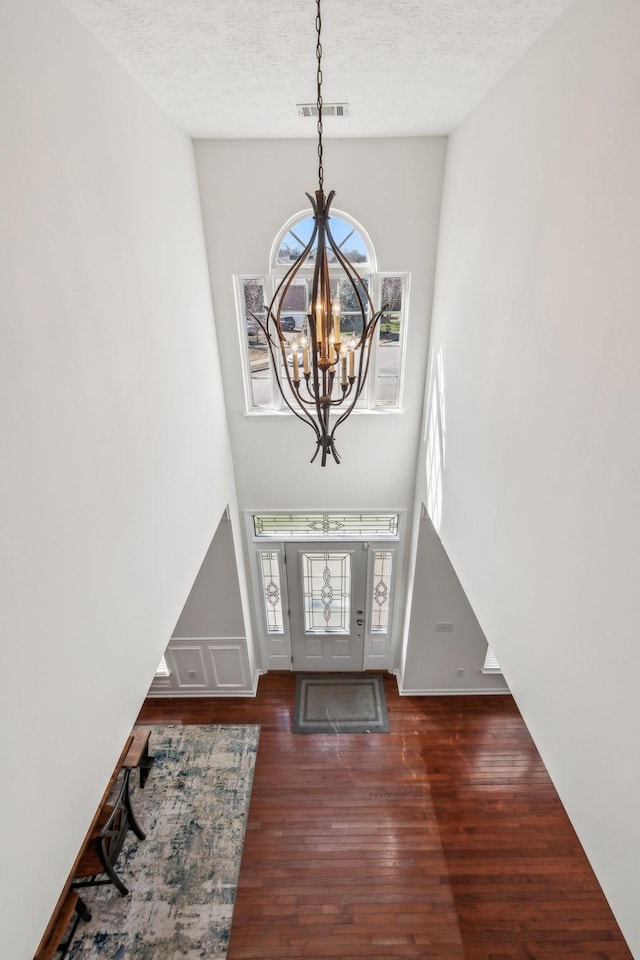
442,839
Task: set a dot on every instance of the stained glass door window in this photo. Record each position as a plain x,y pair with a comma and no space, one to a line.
381,591
271,590
326,586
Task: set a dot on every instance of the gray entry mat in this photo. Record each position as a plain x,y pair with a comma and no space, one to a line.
340,703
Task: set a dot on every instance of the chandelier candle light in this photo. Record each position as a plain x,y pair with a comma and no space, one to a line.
334,367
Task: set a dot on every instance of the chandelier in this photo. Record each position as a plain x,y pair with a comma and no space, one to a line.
321,373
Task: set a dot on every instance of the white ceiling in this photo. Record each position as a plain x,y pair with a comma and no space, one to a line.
237,68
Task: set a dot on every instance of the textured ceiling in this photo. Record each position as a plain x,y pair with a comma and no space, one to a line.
237,68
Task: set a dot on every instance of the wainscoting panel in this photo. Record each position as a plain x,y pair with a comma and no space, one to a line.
377,652
229,664
206,665
189,667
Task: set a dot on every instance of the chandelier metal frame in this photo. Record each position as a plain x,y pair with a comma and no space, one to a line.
332,370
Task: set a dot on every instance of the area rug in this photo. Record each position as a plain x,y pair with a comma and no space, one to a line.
340,703
182,879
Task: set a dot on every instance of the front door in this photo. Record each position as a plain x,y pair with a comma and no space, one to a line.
326,585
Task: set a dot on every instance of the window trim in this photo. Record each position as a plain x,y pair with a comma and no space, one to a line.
491,664
162,669
369,271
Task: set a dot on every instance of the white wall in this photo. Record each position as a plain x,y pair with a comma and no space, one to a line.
249,190
115,463
213,607
210,652
536,321
445,647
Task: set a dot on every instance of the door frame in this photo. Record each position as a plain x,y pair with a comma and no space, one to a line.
273,648
358,551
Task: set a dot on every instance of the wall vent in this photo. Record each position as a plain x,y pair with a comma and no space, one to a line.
328,109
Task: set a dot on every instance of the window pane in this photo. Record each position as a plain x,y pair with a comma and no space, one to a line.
271,592
254,296
163,669
334,526
392,293
297,304
491,665
295,307
293,319
257,352
296,298
347,237
389,353
350,313
326,579
381,592
294,242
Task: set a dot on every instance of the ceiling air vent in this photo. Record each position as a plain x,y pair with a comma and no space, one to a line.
328,109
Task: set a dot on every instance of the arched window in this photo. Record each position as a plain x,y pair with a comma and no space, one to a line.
383,391
348,235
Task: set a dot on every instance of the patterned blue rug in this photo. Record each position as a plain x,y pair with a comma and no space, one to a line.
182,878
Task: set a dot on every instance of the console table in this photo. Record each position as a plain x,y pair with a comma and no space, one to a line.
70,908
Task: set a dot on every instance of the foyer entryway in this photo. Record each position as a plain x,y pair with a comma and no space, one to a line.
325,587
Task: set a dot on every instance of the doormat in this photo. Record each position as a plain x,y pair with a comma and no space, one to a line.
340,703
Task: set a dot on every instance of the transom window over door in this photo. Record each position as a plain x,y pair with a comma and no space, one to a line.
327,526
384,389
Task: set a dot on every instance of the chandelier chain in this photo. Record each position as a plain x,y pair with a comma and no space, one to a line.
325,367
319,93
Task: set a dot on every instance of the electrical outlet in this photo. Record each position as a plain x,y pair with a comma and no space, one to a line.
444,626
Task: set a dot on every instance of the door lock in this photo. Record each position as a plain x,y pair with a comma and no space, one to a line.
359,622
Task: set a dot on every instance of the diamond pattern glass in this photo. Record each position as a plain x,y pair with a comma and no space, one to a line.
326,592
381,593
271,591
361,526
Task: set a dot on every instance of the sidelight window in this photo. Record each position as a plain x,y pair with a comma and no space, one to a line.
381,591
269,562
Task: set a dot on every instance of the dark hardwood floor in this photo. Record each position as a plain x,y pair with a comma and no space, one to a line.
442,839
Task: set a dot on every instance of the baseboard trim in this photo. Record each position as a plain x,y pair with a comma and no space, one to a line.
217,694
455,692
